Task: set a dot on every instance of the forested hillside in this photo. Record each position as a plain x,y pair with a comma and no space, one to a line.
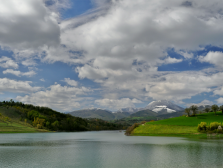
46,118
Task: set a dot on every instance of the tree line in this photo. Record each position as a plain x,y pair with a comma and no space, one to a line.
194,109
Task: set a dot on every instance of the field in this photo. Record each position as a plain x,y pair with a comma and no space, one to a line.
178,126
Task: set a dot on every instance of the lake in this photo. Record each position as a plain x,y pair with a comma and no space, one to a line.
107,149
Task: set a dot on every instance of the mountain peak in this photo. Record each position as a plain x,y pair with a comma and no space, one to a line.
163,105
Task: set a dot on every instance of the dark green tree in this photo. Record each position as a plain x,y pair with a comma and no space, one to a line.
221,108
194,109
214,108
207,110
187,110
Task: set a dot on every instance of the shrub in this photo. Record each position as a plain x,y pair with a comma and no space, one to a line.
211,128
39,126
202,126
143,122
130,129
214,125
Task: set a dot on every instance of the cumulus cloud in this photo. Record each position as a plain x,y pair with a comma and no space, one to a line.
61,98
27,24
43,80
170,60
9,85
212,57
149,28
6,62
219,91
220,100
204,102
28,62
70,82
19,73
123,49
186,54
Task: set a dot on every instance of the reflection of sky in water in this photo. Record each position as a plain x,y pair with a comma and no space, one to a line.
106,149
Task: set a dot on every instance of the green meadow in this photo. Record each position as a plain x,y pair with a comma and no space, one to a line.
17,127
178,126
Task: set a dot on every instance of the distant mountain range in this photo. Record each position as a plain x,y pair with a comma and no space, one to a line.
155,108
160,109
99,113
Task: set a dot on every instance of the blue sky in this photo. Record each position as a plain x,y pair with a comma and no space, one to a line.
70,55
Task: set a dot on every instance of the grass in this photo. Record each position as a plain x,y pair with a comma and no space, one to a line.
165,129
178,126
15,126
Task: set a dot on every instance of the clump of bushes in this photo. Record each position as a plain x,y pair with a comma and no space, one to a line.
130,129
202,127
209,128
143,122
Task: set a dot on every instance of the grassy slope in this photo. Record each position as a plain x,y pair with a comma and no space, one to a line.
177,126
15,126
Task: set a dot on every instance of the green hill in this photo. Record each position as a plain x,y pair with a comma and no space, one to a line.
10,122
178,126
120,115
19,117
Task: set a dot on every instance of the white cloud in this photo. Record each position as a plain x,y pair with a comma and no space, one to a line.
8,85
186,54
117,104
62,98
123,49
6,62
212,57
27,24
70,82
148,29
120,46
204,102
43,80
219,91
220,100
28,62
18,73
170,60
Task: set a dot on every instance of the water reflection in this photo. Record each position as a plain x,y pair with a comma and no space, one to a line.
106,149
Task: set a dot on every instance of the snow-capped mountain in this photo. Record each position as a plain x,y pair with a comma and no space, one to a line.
129,110
163,106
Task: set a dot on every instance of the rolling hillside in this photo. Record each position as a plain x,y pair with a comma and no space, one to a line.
19,117
178,126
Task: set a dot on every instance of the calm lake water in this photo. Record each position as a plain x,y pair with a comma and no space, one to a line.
107,149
